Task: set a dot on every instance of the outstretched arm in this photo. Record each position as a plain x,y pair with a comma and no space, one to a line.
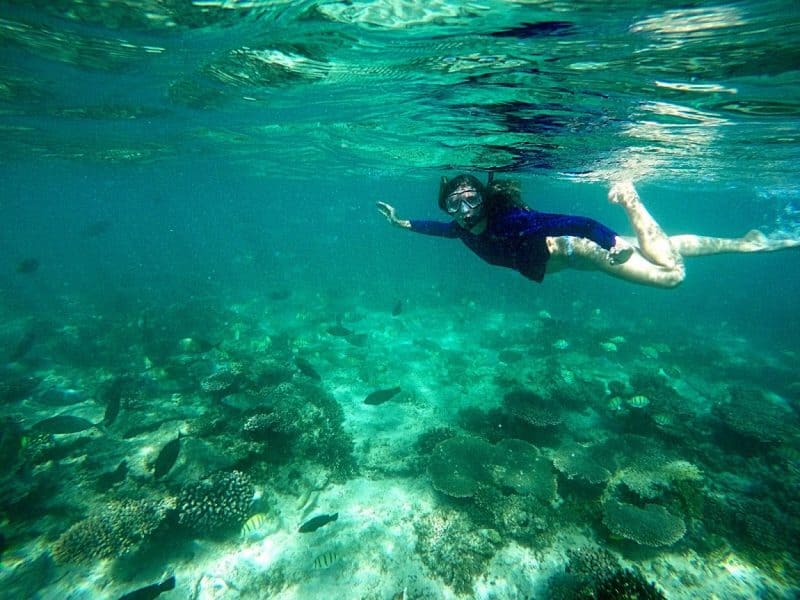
388,211
436,228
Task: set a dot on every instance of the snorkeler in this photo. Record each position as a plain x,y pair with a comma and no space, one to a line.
495,224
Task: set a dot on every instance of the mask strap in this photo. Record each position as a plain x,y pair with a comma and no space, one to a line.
442,188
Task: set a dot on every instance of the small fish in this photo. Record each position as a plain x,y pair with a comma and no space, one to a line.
397,308
27,266
638,401
306,369
315,523
325,560
166,457
255,526
106,480
381,396
113,401
357,339
279,295
149,592
195,345
339,330
62,424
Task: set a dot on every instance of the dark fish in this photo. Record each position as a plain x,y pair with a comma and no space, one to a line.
28,265
62,424
542,28
3,544
397,308
167,457
23,346
306,369
339,330
106,480
113,401
194,345
315,523
381,396
357,339
279,295
151,591
96,228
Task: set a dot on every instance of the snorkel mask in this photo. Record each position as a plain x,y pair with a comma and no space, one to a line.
463,198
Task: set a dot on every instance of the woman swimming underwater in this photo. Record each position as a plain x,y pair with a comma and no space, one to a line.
495,224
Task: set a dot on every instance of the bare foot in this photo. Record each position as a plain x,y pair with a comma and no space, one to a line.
623,192
620,252
756,241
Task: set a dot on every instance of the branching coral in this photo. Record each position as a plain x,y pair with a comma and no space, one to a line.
115,531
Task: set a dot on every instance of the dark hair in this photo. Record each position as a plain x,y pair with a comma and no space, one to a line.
497,194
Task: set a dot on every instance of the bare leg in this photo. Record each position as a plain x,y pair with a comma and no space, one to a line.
754,241
653,242
580,253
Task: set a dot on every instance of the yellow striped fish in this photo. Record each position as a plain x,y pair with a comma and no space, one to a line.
255,527
325,560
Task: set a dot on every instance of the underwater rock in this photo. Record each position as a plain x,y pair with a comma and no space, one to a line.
16,387
652,525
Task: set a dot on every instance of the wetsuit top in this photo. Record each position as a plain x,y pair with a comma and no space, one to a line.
515,238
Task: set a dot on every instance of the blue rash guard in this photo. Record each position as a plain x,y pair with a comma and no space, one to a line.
515,238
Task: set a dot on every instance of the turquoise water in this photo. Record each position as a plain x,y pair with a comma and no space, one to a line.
188,209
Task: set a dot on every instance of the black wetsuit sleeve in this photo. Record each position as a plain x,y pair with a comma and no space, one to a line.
436,228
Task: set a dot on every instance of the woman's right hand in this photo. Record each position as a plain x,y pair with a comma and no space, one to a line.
388,211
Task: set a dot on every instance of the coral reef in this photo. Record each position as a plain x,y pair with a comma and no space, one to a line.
749,414
578,462
532,409
460,464
118,529
301,420
595,574
652,525
220,501
451,547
